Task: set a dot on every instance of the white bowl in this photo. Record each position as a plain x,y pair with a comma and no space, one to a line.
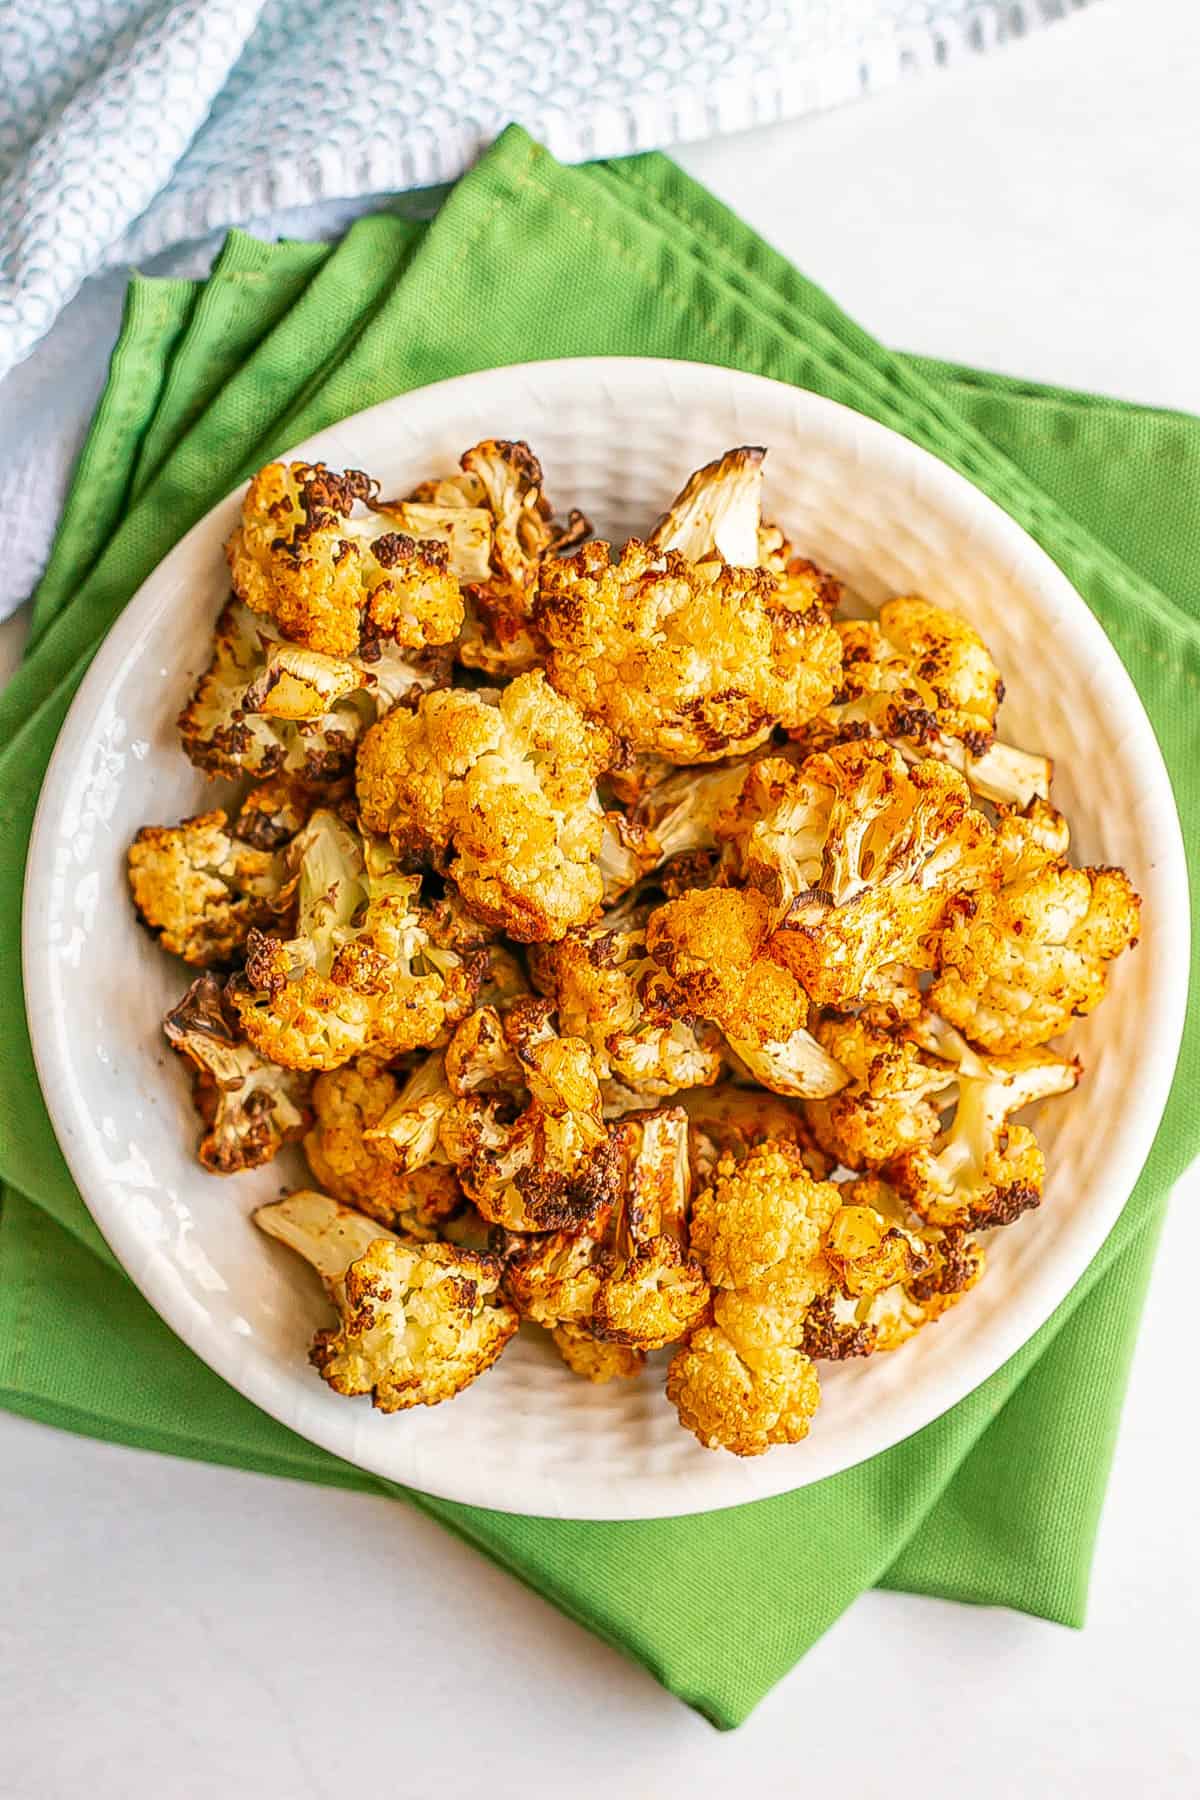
617,437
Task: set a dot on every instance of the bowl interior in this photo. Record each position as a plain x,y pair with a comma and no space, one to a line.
616,438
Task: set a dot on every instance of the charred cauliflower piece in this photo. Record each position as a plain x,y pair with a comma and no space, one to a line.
983,1170
892,1101
499,787
201,890
730,1121
418,1321
918,672
954,1264
717,512
346,1162
609,992
362,976
594,1359
740,1399
628,1278
327,576
688,661
249,1108
1032,957
862,858
265,708
715,948
549,1166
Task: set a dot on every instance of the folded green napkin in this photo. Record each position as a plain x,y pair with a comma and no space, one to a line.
997,1502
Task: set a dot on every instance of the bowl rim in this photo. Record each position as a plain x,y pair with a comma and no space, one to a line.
994,531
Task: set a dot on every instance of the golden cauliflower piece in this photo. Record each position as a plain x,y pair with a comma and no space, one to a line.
891,1102
249,1108
549,1166
982,1171
201,890
715,945
327,576
419,1322
628,1277
917,672
611,993
499,787
363,976
352,1166
730,1120
594,1359
954,1265
1029,959
863,859
763,1214
689,661
717,512
742,1400
265,708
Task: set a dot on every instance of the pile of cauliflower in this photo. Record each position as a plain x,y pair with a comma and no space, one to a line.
640,946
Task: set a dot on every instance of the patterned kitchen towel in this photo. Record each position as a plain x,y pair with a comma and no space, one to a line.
129,125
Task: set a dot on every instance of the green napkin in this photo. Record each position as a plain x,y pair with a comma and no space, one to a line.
997,1502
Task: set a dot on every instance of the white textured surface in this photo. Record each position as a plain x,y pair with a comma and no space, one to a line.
617,438
167,1626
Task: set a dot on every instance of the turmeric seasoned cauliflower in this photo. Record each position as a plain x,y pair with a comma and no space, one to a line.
742,1399
892,1100
917,672
983,1170
717,512
611,993
954,1264
362,976
418,1322
499,787
715,946
595,1359
201,890
862,858
327,576
352,1166
628,1277
689,661
731,1120
249,1108
1032,957
549,1165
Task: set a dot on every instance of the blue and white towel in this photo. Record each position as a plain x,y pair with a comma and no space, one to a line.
130,125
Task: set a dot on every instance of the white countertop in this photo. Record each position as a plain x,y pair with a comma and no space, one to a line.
170,1628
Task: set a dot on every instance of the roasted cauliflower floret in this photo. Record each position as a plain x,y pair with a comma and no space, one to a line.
918,672
983,1170
610,992
201,890
352,1166
362,976
551,1166
328,577
595,1359
729,1120
1029,959
690,661
763,1213
715,947
409,1130
418,1321
743,1400
249,1108
628,1278
862,859
892,1101
716,513
499,787
954,1263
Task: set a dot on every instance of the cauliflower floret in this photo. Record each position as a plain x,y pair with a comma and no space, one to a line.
274,811
298,715
552,1166
954,1264
1029,838
691,661
628,1277
500,786
1029,959
249,1108
982,1171
408,1132
862,858
764,1213
362,976
717,511
594,1359
418,1321
329,579
728,1120
742,1400
609,992
892,1101
917,672
200,890
800,580
354,1167
715,946
681,815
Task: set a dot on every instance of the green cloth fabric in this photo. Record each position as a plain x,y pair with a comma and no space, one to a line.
998,1501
